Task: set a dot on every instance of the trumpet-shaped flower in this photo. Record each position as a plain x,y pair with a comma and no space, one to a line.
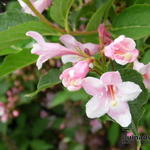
110,95
122,50
72,77
74,52
40,5
145,71
71,43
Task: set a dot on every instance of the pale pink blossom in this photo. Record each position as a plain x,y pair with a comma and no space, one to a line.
72,53
15,113
4,118
104,35
96,125
72,77
110,95
2,109
71,43
40,5
145,71
122,50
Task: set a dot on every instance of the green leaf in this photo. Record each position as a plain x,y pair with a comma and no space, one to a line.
60,98
133,22
142,2
47,81
136,106
8,51
42,125
17,33
60,11
97,17
17,61
40,145
115,131
146,58
65,95
5,18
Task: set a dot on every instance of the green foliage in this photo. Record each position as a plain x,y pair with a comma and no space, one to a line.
63,96
97,17
55,119
17,61
47,81
133,22
113,133
17,33
60,11
11,15
136,106
40,145
146,57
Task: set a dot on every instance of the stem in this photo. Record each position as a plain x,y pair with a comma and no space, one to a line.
51,25
134,129
43,18
138,145
83,32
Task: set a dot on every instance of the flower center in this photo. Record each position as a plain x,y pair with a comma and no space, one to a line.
128,56
112,93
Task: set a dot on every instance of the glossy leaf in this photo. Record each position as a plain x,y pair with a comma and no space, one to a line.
60,11
97,17
133,22
17,61
21,18
47,81
17,33
146,58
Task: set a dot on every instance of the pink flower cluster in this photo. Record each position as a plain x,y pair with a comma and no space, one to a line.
110,94
7,109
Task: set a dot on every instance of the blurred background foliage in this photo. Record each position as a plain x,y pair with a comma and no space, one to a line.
53,118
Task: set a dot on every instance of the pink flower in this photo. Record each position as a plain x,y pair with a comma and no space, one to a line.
96,125
122,50
15,113
47,50
145,71
72,77
40,5
2,109
74,52
110,95
71,43
104,35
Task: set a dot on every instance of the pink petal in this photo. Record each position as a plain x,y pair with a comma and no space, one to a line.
92,86
104,35
111,78
108,51
97,107
121,114
36,36
70,42
138,66
71,58
41,5
128,91
72,77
